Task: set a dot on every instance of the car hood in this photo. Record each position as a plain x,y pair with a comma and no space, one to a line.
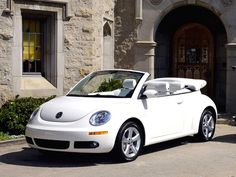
69,109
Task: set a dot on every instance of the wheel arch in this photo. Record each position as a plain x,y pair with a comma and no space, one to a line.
140,124
201,133
116,151
213,111
197,118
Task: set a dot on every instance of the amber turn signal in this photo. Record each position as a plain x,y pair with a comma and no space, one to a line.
98,133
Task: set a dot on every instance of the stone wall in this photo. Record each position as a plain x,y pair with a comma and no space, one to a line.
6,40
125,33
82,42
83,38
78,42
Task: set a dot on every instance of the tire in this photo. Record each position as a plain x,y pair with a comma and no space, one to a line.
129,142
207,125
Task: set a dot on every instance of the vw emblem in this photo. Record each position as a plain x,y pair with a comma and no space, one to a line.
59,114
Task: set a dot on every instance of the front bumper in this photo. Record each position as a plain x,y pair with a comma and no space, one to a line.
69,139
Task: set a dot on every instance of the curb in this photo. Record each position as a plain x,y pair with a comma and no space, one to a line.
223,121
12,142
231,122
226,119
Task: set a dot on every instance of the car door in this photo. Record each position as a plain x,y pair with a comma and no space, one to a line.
164,115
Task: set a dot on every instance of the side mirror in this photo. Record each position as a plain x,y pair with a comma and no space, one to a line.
143,97
149,93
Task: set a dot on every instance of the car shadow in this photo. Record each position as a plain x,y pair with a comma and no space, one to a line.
31,157
230,138
169,144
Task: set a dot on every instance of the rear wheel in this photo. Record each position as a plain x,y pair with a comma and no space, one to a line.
207,126
129,142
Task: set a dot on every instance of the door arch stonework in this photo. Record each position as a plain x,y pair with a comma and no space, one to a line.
193,54
200,27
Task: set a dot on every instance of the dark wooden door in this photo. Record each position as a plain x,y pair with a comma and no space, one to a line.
193,54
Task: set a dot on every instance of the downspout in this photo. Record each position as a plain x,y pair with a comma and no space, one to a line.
139,10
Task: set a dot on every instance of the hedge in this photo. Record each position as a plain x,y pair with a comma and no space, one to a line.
15,114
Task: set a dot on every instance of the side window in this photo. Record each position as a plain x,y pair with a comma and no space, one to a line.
157,89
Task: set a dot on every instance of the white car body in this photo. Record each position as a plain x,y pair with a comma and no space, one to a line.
174,113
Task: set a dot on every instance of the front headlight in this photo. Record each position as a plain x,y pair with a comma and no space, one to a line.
100,118
33,114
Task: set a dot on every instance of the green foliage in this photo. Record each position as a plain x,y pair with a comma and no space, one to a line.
110,85
4,136
15,114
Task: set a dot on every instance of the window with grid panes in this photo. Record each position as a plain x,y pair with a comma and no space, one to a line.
32,50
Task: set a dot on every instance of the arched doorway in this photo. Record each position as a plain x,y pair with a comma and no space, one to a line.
198,35
193,54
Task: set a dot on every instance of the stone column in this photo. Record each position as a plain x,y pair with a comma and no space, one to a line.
231,78
145,56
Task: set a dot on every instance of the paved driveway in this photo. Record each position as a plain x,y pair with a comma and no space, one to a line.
179,158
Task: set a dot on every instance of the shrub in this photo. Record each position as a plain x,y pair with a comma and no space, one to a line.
110,85
15,114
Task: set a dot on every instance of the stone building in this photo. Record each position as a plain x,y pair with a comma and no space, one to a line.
183,38
49,45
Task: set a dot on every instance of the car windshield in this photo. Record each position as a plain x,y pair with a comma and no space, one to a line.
120,84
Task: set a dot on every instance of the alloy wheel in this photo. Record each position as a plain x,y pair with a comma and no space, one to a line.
208,125
131,142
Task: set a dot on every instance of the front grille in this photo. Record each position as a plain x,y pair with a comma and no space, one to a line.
52,144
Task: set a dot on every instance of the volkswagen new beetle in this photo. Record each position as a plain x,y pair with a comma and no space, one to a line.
121,111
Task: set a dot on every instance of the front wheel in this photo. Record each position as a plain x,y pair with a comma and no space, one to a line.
129,142
206,126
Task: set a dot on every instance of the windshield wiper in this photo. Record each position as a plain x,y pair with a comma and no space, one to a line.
97,95
103,96
73,95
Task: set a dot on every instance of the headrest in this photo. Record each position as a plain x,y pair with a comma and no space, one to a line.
175,86
129,83
158,86
193,84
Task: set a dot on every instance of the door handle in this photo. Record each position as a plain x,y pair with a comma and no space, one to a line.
180,102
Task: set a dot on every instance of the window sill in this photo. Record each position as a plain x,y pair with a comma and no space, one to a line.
35,82
36,86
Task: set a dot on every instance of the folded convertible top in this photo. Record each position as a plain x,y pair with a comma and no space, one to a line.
192,84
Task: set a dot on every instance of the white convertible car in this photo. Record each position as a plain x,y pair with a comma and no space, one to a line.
121,111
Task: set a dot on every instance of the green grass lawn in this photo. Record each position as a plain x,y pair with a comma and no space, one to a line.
4,136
